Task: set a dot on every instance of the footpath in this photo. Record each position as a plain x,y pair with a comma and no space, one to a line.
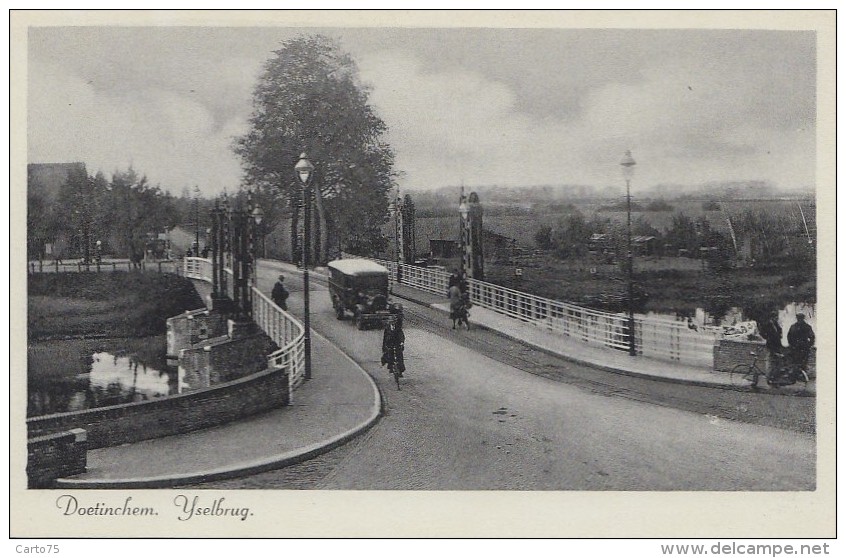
338,403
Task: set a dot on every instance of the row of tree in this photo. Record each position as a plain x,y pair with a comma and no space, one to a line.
118,212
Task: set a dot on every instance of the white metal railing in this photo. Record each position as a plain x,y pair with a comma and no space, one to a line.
198,268
55,266
285,330
656,338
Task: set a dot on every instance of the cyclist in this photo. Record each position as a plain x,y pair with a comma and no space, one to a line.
393,344
800,339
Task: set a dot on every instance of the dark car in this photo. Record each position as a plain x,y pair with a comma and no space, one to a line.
360,287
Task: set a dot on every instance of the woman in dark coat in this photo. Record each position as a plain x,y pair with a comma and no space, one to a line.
280,294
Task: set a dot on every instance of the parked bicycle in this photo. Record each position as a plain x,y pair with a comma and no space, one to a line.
779,376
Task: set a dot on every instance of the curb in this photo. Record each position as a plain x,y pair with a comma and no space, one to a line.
606,368
248,468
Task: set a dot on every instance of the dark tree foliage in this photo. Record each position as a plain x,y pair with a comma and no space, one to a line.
309,99
543,237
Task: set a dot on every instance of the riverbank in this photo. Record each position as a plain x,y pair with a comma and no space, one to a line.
114,304
99,338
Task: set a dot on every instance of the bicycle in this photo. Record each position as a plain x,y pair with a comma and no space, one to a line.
785,375
393,368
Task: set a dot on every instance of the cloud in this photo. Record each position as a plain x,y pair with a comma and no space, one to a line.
687,123
510,107
168,135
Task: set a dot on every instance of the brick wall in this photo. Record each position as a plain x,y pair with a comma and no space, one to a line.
54,456
132,422
187,330
239,357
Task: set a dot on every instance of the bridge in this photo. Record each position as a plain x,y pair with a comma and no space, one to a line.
521,360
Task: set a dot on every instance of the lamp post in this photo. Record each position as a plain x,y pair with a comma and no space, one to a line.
196,221
304,170
397,240
258,215
628,164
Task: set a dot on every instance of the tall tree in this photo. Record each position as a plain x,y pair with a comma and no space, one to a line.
309,98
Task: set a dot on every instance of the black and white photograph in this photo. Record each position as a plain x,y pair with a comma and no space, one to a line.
295,274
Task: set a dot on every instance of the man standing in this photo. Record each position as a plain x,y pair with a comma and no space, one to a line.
279,295
800,339
771,331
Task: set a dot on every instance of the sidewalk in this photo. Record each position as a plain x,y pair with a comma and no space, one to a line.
576,351
339,402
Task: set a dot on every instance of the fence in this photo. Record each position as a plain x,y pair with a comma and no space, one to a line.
55,266
656,338
281,327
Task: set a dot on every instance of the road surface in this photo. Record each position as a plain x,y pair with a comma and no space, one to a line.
477,411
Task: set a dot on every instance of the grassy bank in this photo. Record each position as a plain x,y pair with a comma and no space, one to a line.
113,304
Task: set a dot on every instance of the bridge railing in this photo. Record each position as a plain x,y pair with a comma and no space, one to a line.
56,266
285,330
656,338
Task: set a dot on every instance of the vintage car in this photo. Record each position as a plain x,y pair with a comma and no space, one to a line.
361,287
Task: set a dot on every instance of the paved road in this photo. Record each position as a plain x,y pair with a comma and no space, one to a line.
469,416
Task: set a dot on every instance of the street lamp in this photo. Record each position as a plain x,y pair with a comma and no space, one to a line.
304,170
196,221
628,164
257,215
397,246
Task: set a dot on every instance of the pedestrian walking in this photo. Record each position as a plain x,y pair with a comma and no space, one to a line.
279,295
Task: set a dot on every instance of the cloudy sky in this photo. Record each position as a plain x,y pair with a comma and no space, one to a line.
480,106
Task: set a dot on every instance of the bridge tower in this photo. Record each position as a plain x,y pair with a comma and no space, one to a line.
472,258
408,236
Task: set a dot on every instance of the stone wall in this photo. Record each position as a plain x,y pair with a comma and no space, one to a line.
55,456
133,422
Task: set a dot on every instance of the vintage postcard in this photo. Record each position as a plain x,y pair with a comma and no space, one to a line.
423,274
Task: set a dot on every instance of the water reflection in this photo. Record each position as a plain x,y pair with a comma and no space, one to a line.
111,379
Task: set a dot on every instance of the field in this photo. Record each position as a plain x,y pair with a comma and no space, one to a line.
521,224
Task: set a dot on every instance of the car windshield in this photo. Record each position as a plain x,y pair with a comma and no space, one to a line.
376,284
